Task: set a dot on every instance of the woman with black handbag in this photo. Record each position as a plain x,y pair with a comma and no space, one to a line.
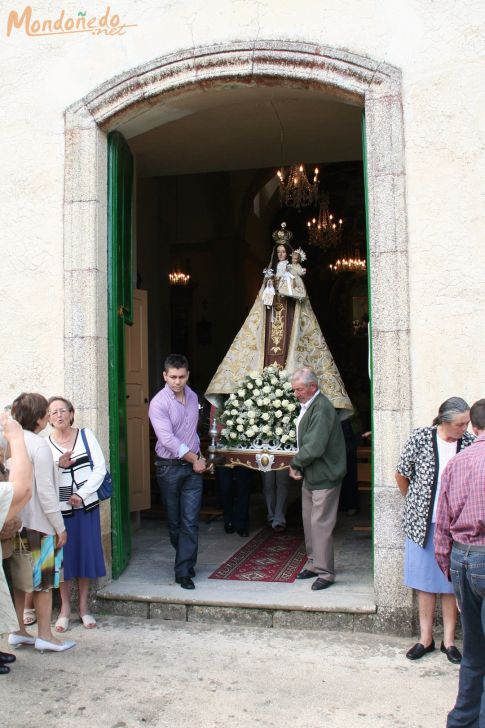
81,470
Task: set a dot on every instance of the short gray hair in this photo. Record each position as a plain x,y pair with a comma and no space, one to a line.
449,409
304,375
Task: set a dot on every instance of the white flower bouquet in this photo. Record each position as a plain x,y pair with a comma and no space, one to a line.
261,413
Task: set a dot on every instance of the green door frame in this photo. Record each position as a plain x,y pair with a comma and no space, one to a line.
369,298
120,310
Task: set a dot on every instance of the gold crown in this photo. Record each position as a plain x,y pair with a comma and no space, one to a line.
282,235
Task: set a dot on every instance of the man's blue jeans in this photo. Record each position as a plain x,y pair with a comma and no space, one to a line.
468,577
181,491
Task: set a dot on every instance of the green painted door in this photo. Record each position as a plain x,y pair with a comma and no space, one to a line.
120,307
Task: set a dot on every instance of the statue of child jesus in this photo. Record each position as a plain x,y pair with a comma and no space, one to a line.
291,282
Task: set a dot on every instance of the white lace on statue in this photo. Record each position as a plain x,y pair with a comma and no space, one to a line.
268,293
281,268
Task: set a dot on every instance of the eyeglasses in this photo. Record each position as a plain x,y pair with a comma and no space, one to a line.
58,412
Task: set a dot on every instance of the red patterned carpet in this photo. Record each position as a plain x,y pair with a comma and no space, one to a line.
268,556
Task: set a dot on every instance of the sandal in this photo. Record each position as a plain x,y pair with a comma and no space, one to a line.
88,621
62,624
29,617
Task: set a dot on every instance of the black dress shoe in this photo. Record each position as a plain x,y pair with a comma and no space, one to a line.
4,669
243,532
321,583
6,657
307,574
185,582
418,650
229,528
452,653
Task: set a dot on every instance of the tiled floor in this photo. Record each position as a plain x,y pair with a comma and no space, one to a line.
149,575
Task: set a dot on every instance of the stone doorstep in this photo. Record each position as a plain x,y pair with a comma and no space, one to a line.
363,619
379,620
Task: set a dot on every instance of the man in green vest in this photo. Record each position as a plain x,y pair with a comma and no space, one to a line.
321,464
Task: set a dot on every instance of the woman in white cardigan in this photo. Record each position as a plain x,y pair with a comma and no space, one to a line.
80,475
35,564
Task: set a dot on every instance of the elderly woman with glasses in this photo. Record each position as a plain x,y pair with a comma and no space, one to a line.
81,471
418,476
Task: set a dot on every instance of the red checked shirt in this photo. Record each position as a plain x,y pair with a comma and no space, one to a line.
461,506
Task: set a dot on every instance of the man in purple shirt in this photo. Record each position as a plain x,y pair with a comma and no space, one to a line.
174,414
460,552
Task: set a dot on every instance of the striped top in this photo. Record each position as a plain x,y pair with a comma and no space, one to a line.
80,478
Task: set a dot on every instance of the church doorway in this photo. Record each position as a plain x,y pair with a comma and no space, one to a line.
207,205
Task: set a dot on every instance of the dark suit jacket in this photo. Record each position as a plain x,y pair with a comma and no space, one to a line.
321,456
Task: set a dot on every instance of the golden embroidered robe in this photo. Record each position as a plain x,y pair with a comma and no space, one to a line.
288,335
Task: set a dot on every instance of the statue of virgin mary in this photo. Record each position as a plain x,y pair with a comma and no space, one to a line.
280,329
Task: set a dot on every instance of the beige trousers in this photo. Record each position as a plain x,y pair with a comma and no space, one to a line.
319,511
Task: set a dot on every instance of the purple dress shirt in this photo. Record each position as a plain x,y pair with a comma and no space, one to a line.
174,423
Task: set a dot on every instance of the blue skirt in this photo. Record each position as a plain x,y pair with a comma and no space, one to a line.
421,570
83,552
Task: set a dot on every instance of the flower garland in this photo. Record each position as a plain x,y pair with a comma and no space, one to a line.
261,413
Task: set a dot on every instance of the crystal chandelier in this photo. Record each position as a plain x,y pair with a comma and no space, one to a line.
324,231
176,278
295,188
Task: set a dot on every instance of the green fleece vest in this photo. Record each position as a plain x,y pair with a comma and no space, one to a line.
321,456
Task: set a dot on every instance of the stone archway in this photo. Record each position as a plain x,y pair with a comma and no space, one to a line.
352,79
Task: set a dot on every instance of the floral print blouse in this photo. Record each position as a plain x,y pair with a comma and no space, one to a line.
419,463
